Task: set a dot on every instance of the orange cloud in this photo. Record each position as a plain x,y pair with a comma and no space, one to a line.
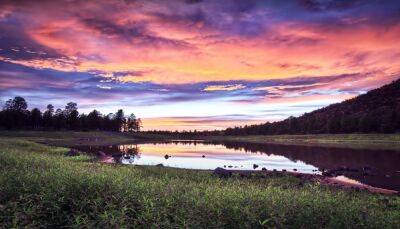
181,55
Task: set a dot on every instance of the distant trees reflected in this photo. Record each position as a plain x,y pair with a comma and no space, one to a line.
15,115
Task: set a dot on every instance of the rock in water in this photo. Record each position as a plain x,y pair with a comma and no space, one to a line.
255,166
101,154
222,172
117,155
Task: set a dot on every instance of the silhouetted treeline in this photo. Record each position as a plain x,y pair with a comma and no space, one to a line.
185,134
377,111
15,115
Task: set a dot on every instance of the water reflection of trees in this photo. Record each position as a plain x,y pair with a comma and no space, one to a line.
385,162
179,142
132,150
129,153
327,157
129,149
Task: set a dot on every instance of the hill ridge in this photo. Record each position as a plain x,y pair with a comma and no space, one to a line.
378,110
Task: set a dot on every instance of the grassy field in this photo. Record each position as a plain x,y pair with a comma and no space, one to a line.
39,187
367,141
70,138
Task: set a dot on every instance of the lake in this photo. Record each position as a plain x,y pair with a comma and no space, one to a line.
378,168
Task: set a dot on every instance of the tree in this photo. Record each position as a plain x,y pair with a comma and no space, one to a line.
139,124
364,124
397,116
48,116
119,121
71,113
133,124
108,122
16,104
292,121
387,121
348,124
16,116
70,107
35,118
94,120
333,124
59,119
15,113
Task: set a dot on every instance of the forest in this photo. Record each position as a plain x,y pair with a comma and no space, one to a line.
377,111
16,116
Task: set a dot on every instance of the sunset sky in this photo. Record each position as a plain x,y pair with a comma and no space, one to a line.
197,64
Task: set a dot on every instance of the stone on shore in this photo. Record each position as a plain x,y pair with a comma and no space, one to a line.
222,172
72,153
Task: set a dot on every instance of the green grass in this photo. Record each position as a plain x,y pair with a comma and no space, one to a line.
39,187
71,138
365,141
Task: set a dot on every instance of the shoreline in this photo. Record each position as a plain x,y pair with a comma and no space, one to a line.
340,182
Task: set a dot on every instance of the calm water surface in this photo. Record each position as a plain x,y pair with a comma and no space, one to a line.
379,168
